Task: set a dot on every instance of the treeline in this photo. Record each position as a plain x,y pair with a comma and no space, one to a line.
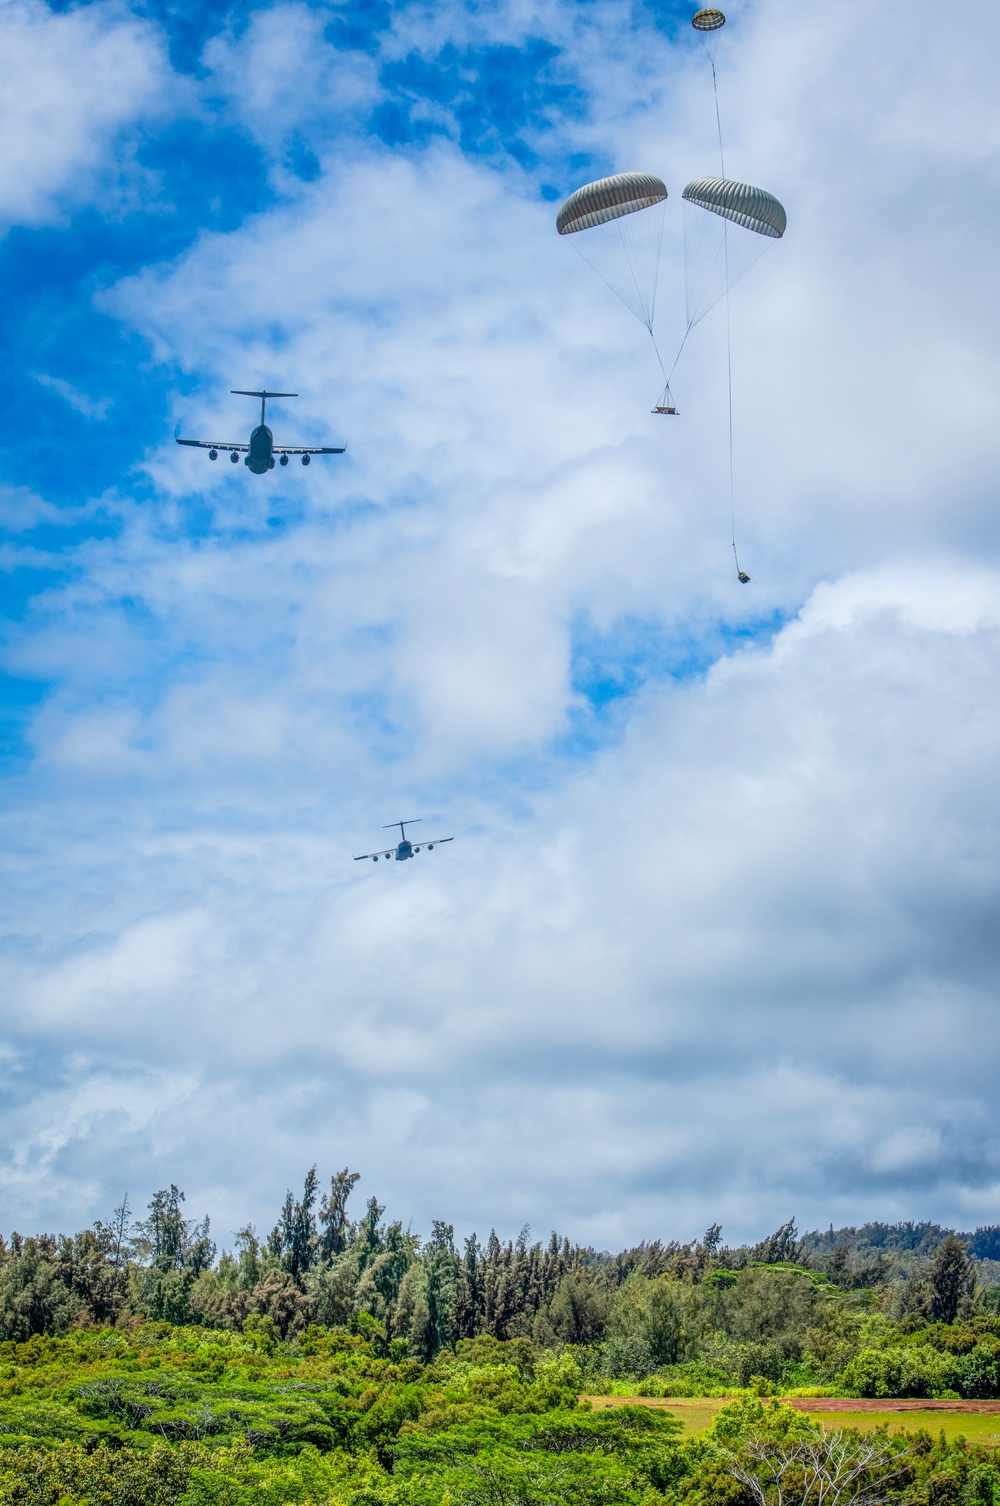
842,1308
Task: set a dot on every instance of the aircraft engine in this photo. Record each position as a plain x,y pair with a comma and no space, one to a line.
284,460
213,454
234,457
305,459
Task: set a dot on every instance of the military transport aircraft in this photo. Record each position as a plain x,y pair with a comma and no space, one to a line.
405,849
262,448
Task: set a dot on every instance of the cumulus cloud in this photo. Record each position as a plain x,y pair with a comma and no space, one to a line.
716,938
743,962
74,80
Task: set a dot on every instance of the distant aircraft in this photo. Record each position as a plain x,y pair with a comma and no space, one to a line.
405,849
262,448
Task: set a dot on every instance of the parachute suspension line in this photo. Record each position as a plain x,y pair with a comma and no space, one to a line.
741,574
706,43
618,274
666,403
678,355
659,358
718,118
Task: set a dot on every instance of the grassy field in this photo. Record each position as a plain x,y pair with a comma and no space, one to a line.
696,1413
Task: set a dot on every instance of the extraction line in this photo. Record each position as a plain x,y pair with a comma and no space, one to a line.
741,574
680,348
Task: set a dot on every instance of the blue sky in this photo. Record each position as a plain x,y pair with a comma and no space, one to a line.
716,938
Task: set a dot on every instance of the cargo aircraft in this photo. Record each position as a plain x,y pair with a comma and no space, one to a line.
405,849
261,450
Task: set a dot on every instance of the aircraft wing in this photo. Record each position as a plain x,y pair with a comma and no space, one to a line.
305,449
434,842
210,444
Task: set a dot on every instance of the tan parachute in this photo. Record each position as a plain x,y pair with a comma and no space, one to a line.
617,226
708,23
727,226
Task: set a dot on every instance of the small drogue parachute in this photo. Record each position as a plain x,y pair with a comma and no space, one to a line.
708,23
727,226
617,226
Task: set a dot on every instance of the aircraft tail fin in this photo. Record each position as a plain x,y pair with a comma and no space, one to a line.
244,392
402,825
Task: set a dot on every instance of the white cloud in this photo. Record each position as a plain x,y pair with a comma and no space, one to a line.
739,967
737,962
278,77
73,80
76,399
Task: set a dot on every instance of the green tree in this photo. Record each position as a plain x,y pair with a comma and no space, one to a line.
952,1280
468,1311
432,1325
838,1266
337,1230
163,1237
378,1287
177,1251
331,1287
899,1370
88,1264
769,1305
294,1238
33,1297
783,1245
578,1311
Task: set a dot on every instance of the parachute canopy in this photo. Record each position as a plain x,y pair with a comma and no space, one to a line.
617,225
722,244
608,199
708,24
753,208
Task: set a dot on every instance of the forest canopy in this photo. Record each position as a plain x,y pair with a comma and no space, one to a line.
341,1360
867,1310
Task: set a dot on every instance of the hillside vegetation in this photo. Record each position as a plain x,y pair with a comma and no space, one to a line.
348,1361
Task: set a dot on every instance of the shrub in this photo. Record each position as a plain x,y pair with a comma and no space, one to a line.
914,1370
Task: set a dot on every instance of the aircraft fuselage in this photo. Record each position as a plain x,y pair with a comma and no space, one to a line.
404,851
261,455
